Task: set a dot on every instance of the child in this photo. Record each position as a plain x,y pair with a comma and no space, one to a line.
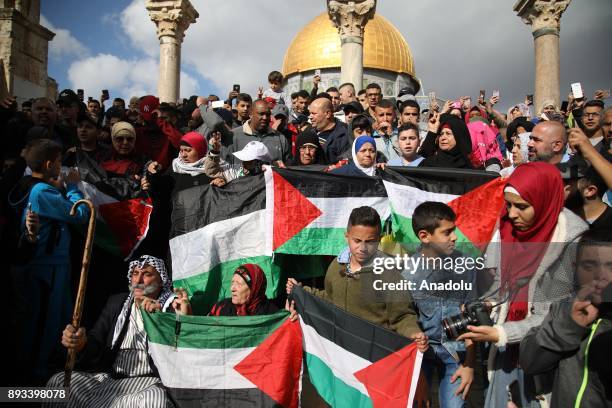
408,140
46,278
434,225
275,79
352,269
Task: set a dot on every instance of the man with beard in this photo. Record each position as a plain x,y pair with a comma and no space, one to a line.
584,191
120,372
573,342
547,142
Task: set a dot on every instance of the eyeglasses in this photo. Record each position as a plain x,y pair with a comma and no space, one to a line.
309,148
593,114
122,139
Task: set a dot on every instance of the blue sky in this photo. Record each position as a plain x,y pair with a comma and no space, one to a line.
458,49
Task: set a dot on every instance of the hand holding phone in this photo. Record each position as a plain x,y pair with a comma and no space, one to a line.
81,94
105,95
577,92
236,88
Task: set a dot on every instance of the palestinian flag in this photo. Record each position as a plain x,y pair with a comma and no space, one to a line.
242,361
352,362
475,196
311,210
215,230
123,209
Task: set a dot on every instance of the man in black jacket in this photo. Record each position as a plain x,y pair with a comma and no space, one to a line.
573,342
117,368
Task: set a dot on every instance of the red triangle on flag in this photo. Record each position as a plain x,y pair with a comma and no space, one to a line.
292,211
128,220
389,380
275,365
478,211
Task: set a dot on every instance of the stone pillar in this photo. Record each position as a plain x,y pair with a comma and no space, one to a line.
351,17
172,18
544,16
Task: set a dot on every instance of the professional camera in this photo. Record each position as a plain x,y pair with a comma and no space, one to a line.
475,314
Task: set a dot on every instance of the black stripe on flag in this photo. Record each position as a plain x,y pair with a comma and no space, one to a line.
199,206
325,185
350,332
198,398
438,180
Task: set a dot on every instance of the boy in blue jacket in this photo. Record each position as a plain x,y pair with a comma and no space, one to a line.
45,279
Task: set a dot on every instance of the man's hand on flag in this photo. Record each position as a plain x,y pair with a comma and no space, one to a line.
290,306
290,284
421,340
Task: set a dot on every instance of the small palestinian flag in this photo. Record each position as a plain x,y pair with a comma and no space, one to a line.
123,209
354,363
242,361
476,197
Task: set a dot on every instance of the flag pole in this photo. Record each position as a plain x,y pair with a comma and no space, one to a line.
78,307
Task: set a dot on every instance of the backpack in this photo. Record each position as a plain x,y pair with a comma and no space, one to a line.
485,148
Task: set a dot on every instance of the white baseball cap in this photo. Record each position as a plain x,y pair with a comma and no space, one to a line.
254,151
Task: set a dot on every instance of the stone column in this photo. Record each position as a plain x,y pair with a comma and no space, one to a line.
351,17
172,18
544,16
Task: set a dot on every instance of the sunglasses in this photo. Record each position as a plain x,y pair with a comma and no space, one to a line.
122,139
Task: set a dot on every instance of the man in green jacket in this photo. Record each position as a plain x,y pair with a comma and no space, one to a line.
352,280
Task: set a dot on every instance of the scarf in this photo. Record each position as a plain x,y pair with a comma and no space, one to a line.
194,169
255,279
358,144
540,185
165,294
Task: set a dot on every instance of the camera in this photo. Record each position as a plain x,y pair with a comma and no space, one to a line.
475,314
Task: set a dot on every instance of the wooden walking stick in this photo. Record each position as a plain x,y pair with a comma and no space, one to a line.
78,306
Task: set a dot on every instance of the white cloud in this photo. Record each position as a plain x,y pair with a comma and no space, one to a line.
63,44
124,78
139,28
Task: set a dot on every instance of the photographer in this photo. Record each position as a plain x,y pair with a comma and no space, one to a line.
573,341
535,269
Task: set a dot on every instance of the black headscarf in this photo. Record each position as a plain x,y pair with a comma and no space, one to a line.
308,136
459,156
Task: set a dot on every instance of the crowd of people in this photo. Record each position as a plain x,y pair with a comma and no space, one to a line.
549,296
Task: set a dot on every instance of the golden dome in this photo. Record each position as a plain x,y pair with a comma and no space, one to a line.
318,46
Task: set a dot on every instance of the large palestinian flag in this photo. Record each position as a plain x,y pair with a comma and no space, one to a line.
475,196
123,209
242,361
214,230
353,363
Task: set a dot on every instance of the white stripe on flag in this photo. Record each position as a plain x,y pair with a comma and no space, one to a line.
336,211
341,362
211,369
201,250
413,384
404,199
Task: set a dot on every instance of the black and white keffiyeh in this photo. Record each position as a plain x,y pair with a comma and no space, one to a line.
165,296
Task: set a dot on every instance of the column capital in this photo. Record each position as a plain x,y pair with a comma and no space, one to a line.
544,16
172,17
351,16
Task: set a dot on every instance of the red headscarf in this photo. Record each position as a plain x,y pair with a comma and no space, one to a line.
540,185
255,278
197,142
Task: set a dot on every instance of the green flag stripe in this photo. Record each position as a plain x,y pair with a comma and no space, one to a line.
332,389
205,332
315,241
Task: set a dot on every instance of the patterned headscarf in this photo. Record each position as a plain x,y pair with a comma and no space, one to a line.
165,295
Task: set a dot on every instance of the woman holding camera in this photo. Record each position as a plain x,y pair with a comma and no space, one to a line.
535,269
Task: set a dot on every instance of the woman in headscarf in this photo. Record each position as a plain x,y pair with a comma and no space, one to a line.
363,161
447,144
535,269
308,150
520,153
186,171
248,294
123,161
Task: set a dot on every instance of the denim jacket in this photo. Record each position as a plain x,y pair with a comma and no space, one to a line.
434,306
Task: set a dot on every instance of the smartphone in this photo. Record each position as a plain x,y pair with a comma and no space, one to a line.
564,106
577,90
89,99
217,104
317,72
530,99
81,94
496,92
236,88
432,97
105,94
482,94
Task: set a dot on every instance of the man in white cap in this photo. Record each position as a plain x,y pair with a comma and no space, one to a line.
252,157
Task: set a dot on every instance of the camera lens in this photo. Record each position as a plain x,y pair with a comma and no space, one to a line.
455,326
